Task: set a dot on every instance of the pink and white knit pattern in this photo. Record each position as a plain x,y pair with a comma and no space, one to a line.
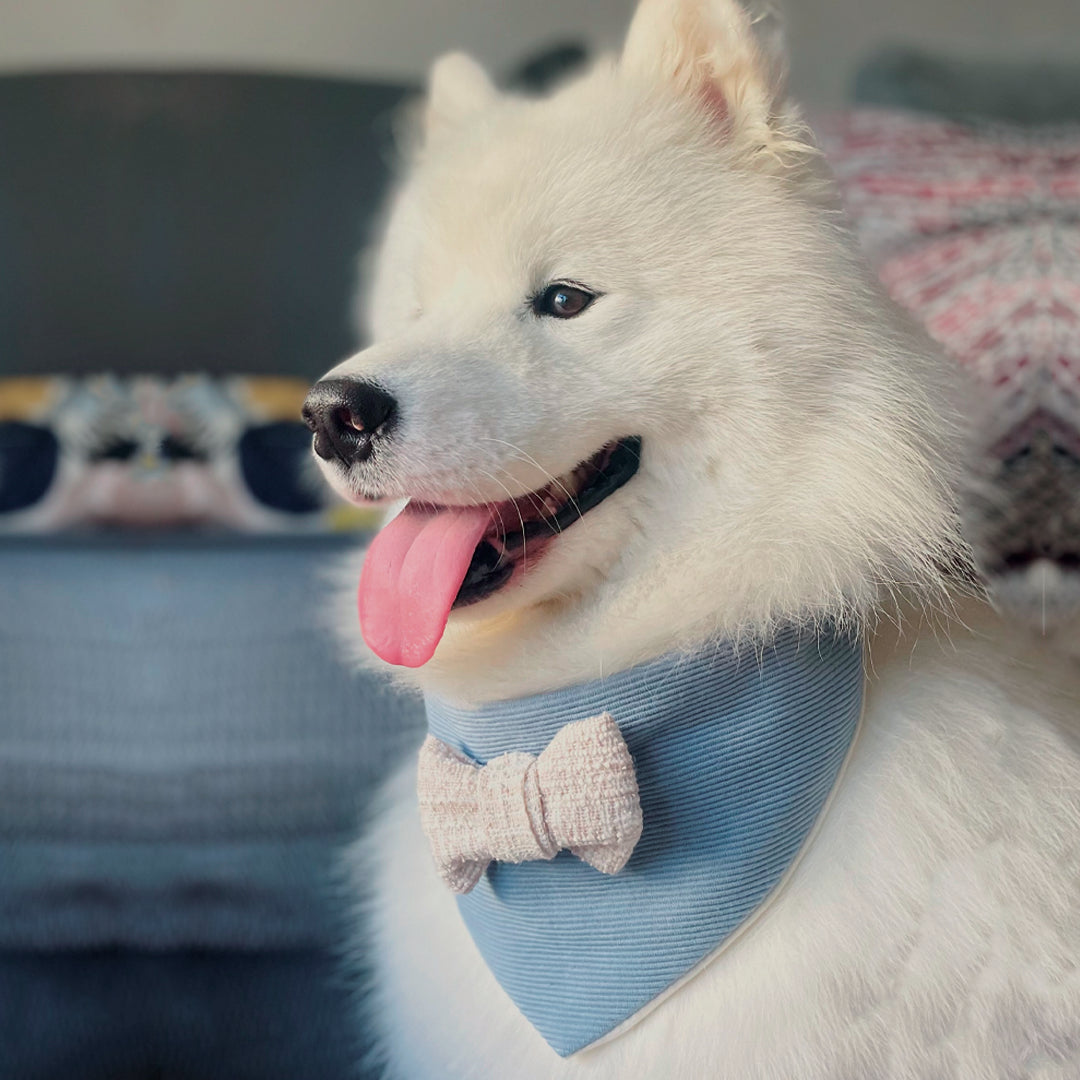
976,231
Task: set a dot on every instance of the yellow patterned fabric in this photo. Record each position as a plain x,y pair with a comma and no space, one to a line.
150,452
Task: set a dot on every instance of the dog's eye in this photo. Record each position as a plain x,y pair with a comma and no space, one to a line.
562,301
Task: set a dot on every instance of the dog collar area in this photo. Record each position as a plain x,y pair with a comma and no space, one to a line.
736,752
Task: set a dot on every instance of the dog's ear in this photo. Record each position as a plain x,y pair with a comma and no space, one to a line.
457,87
716,52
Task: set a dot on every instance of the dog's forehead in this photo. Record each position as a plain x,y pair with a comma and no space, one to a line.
532,179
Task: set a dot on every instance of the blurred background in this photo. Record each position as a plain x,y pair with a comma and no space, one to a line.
397,41
184,188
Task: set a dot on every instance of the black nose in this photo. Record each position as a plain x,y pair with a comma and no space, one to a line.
347,417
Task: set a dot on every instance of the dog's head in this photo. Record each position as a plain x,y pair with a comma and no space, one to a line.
630,373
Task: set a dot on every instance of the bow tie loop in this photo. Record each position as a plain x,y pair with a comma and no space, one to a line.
579,794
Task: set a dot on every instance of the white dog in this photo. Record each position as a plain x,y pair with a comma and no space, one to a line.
647,402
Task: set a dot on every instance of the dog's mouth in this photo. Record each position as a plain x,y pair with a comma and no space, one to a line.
432,559
521,525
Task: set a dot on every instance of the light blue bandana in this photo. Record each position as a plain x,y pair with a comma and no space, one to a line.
735,753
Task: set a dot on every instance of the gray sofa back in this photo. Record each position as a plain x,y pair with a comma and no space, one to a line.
188,221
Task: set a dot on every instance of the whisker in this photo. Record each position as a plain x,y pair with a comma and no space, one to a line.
523,456
489,504
513,502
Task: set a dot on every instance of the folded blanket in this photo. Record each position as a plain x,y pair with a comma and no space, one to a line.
975,229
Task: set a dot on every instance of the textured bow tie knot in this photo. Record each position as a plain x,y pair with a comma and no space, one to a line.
580,794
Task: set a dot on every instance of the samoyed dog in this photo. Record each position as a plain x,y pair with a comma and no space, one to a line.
731,773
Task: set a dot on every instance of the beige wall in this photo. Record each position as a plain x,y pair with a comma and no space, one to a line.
399,37
385,37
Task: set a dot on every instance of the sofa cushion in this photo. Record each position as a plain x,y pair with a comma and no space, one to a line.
1015,91
182,750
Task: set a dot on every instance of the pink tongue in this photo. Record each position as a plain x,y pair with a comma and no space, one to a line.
412,573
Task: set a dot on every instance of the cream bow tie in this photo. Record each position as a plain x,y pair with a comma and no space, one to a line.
581,793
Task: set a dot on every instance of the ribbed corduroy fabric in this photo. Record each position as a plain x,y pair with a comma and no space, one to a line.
736,752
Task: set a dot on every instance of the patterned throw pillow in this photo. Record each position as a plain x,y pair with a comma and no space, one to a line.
976,231
190,451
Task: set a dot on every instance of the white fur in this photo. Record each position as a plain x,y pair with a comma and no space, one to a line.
931,930
797,442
